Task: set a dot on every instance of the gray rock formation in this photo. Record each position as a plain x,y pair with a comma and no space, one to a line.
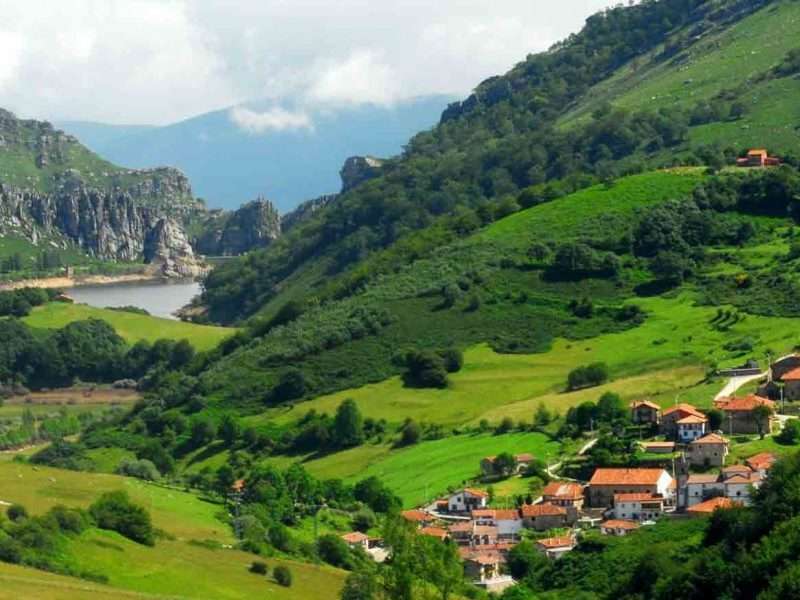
305,211
358,169
254,225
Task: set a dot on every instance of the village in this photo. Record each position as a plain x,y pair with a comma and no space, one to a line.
689,477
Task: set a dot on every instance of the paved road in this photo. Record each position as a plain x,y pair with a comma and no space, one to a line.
734,383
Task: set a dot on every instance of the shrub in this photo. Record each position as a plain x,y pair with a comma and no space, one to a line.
116,512
140,469
587,376
17,512
425,369
259,568
790,434
410,433
363,520
453,359
334,550
282,575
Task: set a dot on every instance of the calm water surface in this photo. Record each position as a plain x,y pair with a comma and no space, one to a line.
158,298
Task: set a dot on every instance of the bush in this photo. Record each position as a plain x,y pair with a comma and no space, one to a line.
453,359
790,434
410,433
259,568
116,512
425,369
587,376
334,550
140,469
282,575
17,512
364,520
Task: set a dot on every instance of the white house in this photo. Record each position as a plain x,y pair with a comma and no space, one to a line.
638,507
466,500
735,482
507,521
691,428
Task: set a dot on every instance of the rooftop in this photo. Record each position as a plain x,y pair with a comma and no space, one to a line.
646,403
711,438
563,489
711,505
417,516
542,510
557,542
356,537
436,532
619,524
692,420
636,497
762,460
627,476
686,409
746,403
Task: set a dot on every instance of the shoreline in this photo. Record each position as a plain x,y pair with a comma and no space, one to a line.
71,282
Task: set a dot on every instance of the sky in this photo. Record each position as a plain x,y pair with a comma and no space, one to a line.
161,61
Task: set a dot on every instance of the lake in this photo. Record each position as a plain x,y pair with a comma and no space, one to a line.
160,299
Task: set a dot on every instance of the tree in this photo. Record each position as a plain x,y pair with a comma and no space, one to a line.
762,415
587,376
505,426
17,512
258,567
790,434
425,369
229,430
524,560
224,480
282,575
115,511
441,565
348,425
411,433
542,417
505,464
670,267
291,385
360,585
333,550
364,520
610,407
715,418
203,432
453,359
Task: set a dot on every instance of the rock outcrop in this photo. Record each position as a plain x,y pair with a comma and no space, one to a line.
358,169
305,211
254,225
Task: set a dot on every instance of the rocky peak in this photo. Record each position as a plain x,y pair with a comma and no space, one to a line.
358,169
254,225
305,211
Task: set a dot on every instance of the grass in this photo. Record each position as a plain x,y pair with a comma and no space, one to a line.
132,327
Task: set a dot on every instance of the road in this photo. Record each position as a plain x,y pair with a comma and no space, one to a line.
734,383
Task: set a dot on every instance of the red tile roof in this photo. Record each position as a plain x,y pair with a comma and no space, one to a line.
542,510
563,490
711,438
685,410
524,457
436,532
691,420
619,524
636,497
746,403
355,537
474,492
646,403
485,559
626,476
792,375
711,505
416,516
658,444
557,542
498,514
761,461
740,479
702,478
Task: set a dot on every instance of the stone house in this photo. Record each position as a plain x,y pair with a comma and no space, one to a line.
708,451
741,414
646,412
673,414
606,483
761,463
563,493
542,517
638,507
791,384
735,482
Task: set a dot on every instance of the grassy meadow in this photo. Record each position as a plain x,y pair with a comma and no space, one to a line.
132,327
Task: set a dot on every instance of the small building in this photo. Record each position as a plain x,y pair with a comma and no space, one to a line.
468,533
758,157
436,532
645,412
691,428
705,509
507,521
761,463
356,539
542,517
742,415
466,500
658,447
673,414
521,462
618,527
708,451
735,482
419,517
483,566
555,547
563,493
791,384
638,507
606,483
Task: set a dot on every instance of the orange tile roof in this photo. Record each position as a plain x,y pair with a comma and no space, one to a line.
746,403
646,403
739,479
658,444
702,478
636,497
524,457
563,490
762,460
736,469
757,152
238,485
417,516
436,532
499,514
474,492
793,375
485,559
711,505
683,408
626,476
542,510
691,420
619,524
461,527
711,438
356,537
557,542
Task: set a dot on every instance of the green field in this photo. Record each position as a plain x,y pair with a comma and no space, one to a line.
132,327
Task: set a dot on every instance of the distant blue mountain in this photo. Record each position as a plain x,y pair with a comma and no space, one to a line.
228,164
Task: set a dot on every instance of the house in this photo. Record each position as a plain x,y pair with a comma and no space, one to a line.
673,414
356,539
704,509
708,451
563,493
468,533
419,517
618,527
742,415
646,412
758,157
483,566
780,367
507,521
521,462
735,482
761,463
606,483
638,506
436,532
691,428
467,499
555,547
542,517
791,384
658,447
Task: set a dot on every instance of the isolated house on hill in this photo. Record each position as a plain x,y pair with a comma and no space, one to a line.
521,462
646,412
758,157
744,415
673,414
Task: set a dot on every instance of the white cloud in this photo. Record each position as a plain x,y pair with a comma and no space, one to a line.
11,46
274,119
362,78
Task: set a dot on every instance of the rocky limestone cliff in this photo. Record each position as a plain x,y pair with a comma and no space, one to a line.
254,225
358,169
53,188
305,211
